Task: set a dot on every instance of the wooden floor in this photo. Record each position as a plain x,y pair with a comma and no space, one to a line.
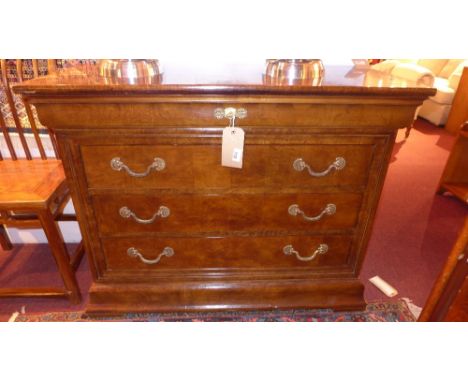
32,265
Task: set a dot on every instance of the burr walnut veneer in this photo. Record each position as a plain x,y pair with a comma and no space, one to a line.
167,228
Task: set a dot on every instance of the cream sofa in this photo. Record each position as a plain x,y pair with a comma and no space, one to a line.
441,74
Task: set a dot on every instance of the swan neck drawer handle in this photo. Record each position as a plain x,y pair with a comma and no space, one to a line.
294,210
157,165
162,212
321,249
133,252
339,164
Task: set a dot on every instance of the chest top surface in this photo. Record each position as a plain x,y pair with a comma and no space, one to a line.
223,80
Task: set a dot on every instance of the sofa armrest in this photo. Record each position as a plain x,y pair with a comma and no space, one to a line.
415,73
454,78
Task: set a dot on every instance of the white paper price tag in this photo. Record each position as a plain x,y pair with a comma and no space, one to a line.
233,147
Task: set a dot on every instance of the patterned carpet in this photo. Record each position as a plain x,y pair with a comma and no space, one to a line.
397,311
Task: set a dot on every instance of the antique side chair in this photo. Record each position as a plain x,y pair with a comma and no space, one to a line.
33,188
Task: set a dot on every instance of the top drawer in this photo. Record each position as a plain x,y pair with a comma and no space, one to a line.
199,167
151,112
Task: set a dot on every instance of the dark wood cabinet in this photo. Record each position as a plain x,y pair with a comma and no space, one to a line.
455,176
459,110
448,300
168,228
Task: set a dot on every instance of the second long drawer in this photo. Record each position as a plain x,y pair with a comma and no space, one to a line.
189,213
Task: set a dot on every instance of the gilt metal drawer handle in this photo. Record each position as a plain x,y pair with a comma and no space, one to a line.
294,210
157,165
162,212
133,252
339,164
321,249
230,113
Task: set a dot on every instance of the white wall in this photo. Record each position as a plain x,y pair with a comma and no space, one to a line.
70,231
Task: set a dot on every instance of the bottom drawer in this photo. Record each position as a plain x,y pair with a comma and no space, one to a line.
171,253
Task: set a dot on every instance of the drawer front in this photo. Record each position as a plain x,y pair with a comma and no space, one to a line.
123,214
325,111
199,167
296,252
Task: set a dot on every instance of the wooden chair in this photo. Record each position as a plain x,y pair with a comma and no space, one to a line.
33,190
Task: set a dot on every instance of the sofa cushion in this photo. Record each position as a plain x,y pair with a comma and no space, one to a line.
408,60
435,66
449,68
444,93
385,66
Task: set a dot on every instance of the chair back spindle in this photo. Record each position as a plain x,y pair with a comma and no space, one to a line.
20,75
11,103
6,136
35,68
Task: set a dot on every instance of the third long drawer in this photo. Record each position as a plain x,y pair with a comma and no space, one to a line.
297,252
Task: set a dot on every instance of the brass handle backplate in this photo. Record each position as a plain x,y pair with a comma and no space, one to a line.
321,249
230,113
133,252
157,165
339,164
294,210
162,212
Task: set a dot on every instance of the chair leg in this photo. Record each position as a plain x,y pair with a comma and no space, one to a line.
408,130
5,242
77,256
59,251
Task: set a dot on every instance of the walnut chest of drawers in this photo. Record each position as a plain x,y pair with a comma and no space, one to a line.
167,228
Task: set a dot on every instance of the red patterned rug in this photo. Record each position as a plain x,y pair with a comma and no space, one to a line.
375,312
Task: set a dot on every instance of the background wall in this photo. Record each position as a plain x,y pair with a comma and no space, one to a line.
70,231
